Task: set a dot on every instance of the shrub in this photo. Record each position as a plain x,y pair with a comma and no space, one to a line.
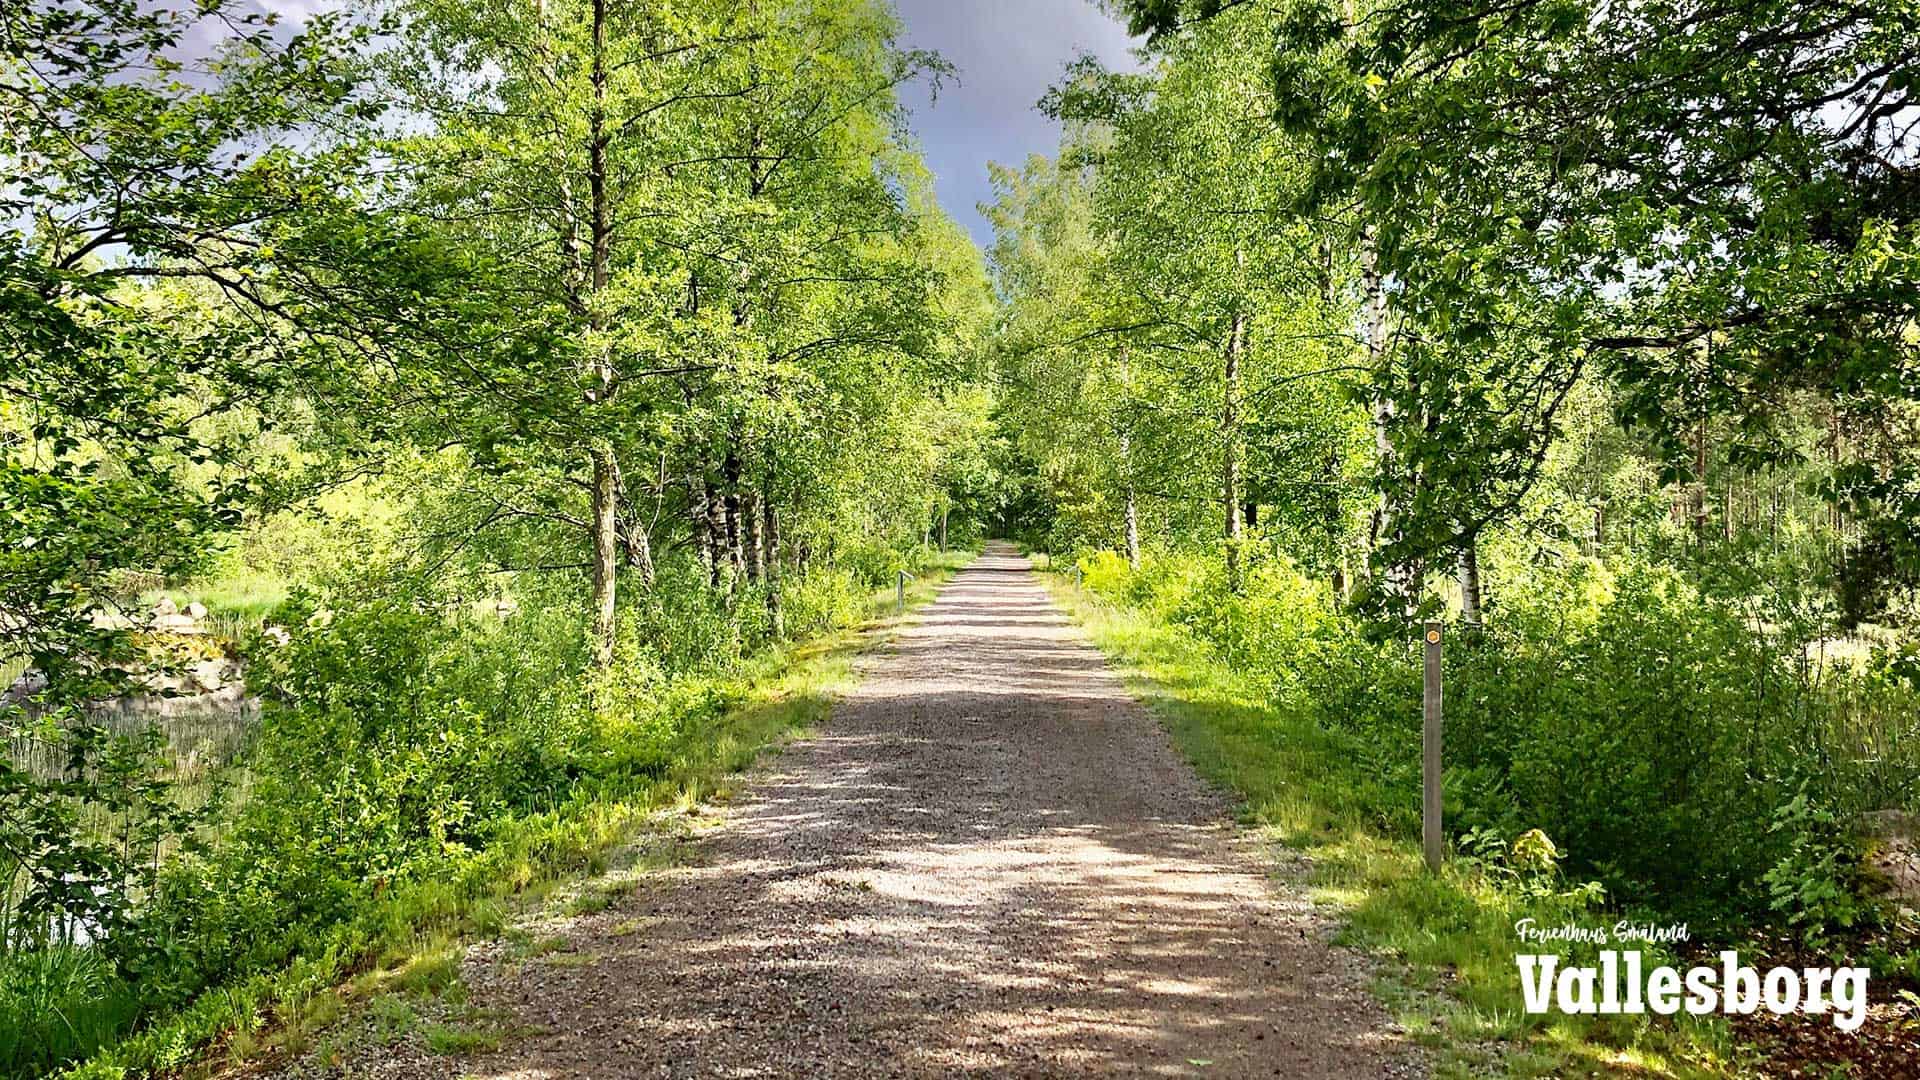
686,626
1105,572
873,564
822,599
1672,744
1813,884
402,735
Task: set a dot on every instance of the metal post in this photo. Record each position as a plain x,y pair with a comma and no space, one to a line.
1076,574
1430,752
900,593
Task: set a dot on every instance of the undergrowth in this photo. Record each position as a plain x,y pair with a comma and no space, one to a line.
456,785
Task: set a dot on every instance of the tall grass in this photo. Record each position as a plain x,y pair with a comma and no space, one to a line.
57,1003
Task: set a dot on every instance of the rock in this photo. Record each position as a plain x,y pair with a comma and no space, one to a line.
166,607
1897,823
196,610
213,675
161,683
30,682
108,618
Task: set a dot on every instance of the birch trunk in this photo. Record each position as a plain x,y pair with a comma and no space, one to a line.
605,492
1230,438
697,520
1382,528
1133,505
1698,495
1469,570
605,546
716,534
752,535
770,533
730,511
640,552
1126,462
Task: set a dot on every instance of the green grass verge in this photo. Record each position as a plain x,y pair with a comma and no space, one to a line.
1455,987
410,941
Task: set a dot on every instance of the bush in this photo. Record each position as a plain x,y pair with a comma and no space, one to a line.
1812,886
822,599
1105,572
1664,736
873,564
685,626
413,742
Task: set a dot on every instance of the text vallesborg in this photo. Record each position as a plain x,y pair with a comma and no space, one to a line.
1620,985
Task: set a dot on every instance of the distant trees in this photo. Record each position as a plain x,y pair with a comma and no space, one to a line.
1161,273
698,215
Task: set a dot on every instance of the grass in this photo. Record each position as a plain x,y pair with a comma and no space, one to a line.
393,1016
34,985
237,590
450,1040
600,897
431,970
1455,988
238,600
410,943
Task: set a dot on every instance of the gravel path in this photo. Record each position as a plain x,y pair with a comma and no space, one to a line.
991,862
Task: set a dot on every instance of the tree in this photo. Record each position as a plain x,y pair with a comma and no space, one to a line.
1679,198
643,255
816,253
546,168
1206,327
132,163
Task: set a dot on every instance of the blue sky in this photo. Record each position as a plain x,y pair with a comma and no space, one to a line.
1008,53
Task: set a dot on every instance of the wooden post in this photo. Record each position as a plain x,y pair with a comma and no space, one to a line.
1430,752
1076,574
900,593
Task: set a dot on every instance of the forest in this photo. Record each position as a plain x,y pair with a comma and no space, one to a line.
437,438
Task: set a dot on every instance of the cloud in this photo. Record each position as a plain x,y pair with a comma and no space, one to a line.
1008,53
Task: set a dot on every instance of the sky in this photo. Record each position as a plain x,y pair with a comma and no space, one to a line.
1008,52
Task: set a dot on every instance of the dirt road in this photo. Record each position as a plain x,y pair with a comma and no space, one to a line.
990,862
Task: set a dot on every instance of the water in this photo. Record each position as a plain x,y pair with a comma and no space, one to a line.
204,733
